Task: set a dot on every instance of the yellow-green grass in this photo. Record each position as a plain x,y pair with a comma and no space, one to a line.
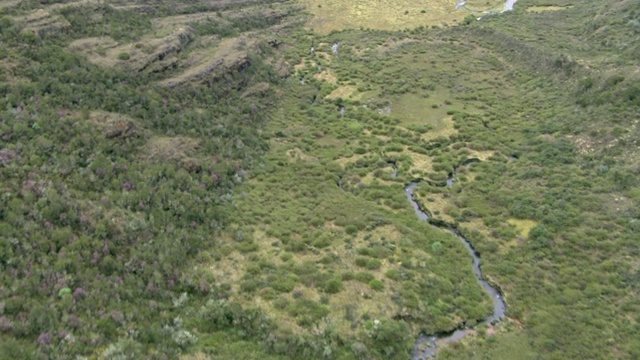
55,6
297,214
371,179
281,205
414,109
42,22
349,160
343,92
478,225
224,18
523,226
420,163
296,154
376,304
327,76
8,3
479,6
98,50
214,61
10,69
331,15
105,51
539,9
438,205
482,155
328,140
177,148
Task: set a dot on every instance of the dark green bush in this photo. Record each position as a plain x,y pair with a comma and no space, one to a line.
376,285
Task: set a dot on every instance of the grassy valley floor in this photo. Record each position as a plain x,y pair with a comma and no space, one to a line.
209,180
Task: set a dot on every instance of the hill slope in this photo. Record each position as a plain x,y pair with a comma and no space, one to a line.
210,180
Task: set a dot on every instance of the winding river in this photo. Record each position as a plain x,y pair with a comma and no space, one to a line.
425,345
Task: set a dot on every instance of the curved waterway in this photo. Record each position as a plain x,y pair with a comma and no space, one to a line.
425,346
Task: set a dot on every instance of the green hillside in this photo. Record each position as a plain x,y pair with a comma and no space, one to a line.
210,180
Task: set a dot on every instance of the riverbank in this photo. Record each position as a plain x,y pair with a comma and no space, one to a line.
425,345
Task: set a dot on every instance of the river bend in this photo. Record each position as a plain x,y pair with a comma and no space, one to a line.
425,346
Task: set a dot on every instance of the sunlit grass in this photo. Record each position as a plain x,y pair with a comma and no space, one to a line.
387,14
538,9
523,226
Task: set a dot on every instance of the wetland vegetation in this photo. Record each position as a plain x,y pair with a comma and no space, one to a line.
207,180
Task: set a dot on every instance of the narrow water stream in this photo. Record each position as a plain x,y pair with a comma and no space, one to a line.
425,346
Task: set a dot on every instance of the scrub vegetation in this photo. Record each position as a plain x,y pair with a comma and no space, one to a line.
208,180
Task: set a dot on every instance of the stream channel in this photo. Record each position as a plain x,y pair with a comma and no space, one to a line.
425,345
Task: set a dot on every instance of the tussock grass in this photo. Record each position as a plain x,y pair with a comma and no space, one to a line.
288,205
150,54
523,226
42,22
228,55
385,15
4,4
539,9
174,149
223,20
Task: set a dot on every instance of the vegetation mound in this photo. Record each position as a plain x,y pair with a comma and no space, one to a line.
227,179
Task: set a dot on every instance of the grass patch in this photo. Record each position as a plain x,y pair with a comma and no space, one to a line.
331,15
523,226
540,9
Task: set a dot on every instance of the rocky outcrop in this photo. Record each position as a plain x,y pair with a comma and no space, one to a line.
164,49
230,55
282,68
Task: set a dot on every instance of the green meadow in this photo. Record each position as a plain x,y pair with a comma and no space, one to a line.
192,181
